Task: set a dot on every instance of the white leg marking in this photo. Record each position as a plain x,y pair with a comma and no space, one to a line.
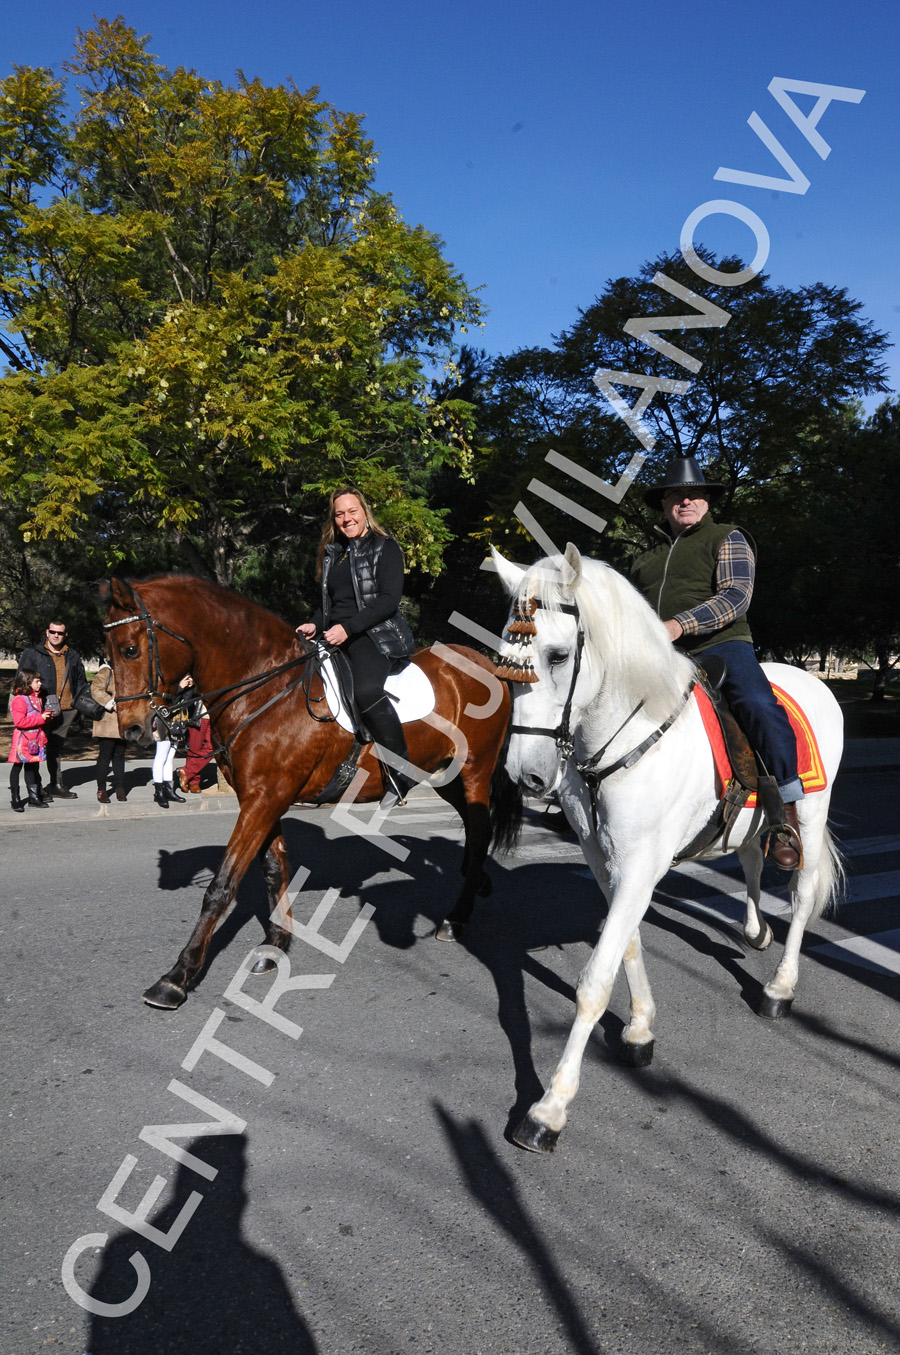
593,993
643,1009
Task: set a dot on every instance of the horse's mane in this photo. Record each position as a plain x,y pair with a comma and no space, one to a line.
621,631
216,593
248,622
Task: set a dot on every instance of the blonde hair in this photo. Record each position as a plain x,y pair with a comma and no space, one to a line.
330,532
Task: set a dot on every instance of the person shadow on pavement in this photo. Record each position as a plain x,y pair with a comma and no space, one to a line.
213,1293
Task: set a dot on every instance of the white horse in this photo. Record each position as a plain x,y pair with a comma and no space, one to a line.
608,678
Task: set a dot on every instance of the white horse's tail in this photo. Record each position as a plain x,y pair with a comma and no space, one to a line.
832,877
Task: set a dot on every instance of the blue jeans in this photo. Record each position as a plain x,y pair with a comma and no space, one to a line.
765,723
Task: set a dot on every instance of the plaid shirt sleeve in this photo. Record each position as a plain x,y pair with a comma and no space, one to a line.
735,573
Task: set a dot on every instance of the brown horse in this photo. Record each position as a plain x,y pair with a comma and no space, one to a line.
275,749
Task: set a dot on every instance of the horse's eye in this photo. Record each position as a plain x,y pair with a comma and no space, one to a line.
130,652
557,656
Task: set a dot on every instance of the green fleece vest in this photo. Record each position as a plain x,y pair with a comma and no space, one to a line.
677,576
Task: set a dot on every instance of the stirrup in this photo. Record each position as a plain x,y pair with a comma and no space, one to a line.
783,835
396,788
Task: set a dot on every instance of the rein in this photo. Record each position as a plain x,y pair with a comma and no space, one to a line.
235,691
589,770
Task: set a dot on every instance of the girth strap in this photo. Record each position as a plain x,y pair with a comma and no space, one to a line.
720,823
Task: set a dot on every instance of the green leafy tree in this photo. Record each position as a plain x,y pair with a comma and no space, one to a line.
768,394
860,552
211,317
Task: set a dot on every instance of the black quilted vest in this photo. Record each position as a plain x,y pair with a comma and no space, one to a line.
392,637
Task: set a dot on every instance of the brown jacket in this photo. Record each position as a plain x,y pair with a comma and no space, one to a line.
103,690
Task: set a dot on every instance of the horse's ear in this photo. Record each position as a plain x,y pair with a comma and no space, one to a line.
571,568
511,575
119,594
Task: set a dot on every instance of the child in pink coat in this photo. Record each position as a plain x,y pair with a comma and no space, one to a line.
29,742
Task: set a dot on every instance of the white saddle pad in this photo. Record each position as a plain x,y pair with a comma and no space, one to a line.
412,695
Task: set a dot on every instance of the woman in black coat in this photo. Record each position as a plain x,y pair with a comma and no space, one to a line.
361,570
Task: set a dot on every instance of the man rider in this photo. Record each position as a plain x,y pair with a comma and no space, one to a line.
699,580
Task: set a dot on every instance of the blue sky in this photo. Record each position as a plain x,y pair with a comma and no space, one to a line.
555,147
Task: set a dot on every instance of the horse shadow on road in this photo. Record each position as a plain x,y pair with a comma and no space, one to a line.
535,907
493,1186
212,1291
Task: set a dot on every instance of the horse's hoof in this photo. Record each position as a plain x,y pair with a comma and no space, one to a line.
535,1136
165,994
762,941
774,1008
485,886
636,1055
263,965
449,930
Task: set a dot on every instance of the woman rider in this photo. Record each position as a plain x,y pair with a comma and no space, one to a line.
361,569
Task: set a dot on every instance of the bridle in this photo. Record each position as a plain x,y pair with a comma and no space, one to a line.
168,711
589,769
562,733
153,695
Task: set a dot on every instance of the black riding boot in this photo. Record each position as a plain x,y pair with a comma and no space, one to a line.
384,725
172,793
159,795
34,798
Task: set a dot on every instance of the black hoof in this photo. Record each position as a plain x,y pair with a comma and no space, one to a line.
485,886
536,1137
264,965
774,1008
164,994
449,930
762,941
636,1055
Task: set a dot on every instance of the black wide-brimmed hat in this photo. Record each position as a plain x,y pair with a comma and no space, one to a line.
683,473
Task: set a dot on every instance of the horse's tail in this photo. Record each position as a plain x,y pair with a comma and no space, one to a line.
832,876
507,805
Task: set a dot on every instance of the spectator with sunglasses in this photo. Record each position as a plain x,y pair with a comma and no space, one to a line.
63,682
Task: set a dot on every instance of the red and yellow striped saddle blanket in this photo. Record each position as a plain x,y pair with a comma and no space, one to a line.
809,760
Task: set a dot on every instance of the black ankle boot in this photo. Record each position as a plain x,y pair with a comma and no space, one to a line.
17,802
159,795
34,798
173,793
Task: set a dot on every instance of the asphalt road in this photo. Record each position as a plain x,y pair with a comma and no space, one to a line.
741,1195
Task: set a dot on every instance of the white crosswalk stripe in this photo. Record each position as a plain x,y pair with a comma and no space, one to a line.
880,952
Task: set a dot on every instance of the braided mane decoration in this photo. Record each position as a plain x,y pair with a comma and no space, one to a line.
516,653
